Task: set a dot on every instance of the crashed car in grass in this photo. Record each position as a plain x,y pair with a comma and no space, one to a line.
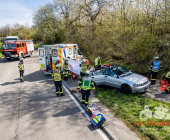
121,78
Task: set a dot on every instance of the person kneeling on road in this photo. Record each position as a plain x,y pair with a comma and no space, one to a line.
168,80
21,69
86,84
57,80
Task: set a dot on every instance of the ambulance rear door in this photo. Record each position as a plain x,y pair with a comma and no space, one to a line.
75,52
70,52
41,52
55,54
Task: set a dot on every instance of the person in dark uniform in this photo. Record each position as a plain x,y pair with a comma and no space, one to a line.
58,81
86,84
154,69
97,62
21,69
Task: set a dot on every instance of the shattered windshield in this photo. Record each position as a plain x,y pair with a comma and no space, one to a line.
8,46
122,71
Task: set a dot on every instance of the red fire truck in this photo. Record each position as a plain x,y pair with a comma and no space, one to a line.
17,49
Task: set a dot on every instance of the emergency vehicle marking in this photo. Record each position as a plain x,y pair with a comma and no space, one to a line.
59,52
53,66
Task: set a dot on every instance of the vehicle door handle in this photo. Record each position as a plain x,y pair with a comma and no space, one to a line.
92,77
40,59
105,76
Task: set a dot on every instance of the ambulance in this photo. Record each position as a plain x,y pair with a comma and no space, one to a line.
48,55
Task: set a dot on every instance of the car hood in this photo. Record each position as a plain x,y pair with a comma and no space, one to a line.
136,78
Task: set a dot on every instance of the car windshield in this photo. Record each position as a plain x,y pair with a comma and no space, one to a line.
8,46
11,39
123,71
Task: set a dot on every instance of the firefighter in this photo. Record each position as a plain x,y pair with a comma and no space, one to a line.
57,80
57,61
97,64
168,80
154,68
84,68
65,64
66,71
86,84
21,69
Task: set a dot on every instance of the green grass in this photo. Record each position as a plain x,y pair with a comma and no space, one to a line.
0,50
127,108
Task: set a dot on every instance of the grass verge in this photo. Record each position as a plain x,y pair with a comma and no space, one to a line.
127,108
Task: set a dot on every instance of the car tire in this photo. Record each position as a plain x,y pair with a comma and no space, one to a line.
8,58
29,54
126,88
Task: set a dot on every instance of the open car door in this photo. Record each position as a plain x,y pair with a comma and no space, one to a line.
98,77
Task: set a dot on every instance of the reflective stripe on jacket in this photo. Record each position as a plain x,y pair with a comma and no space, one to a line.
57,75
65,67
156,65
168,75
21,66
84,67
97,62
86,83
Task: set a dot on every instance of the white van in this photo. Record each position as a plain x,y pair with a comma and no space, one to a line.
48,55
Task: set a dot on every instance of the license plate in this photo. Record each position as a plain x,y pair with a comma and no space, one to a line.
7,57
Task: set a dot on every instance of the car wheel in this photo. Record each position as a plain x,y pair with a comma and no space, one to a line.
126,88
30,53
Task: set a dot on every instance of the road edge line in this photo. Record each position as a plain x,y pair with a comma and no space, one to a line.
105,130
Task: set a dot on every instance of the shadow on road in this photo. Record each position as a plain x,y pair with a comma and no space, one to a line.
33,77
70,111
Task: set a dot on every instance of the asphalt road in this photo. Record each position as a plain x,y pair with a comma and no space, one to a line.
31,110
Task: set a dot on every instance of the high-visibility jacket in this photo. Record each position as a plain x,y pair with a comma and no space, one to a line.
156,66
97,61
84,67
57,75
21,66
168,75
65,67
86,83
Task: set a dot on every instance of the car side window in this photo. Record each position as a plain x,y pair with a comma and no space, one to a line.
98,73
110,72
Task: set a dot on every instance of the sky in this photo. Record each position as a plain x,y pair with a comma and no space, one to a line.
19,11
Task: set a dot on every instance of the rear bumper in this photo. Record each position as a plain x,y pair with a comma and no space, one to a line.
140,89
48,72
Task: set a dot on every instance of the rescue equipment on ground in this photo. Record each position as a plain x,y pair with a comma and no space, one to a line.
97,118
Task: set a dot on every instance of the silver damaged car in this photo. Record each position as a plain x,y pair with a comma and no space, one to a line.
119,77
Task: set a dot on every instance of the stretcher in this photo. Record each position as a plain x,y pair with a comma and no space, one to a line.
97,118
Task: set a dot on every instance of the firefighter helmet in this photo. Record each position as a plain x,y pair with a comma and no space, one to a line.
87,72
156,57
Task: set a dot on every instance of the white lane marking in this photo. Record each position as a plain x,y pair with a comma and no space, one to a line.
84,112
